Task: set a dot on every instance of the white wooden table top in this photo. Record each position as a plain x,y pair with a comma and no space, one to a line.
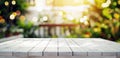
59,47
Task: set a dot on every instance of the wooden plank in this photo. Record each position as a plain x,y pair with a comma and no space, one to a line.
118,54
6,46
88,46
60,57
7,42
10,43
108,48
8,51
10,38
22,50
105,42
32,47
39,49
77,51
51,49
63,48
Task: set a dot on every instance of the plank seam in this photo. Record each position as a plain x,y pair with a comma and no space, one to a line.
45,47
69,46
34,47
57,47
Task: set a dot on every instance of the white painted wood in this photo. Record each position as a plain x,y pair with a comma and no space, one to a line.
24,48
109,53
19,49
5,49
58,48
77,51
118,54
10,38
63,48
108,48
76,57
10,44
89,47
51,49
39,49
7,42
99,45
11,57
60,57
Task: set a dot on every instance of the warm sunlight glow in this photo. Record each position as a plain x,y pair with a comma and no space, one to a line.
92,1
49,2
39,5
60,13
76,1
64,2
70,17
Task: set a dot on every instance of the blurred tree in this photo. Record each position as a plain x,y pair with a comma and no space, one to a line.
106,13
10,10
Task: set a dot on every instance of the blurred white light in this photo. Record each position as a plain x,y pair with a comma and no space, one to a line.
6,3
34,19
45,18
13,2
106,4
12,17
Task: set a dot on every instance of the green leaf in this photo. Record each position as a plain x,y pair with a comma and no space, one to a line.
106,13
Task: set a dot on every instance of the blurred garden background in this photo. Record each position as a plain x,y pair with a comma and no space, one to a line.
60,19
